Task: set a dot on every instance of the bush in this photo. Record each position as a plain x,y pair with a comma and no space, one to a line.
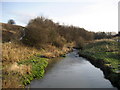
79,43
11,21
39,32
59,42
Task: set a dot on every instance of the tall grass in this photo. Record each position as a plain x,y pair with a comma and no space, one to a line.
14,52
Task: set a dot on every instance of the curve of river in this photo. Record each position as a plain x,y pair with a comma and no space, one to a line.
72,72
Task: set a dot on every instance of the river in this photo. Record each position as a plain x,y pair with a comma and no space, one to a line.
72,72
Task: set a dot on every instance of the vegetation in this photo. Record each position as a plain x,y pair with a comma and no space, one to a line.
105,54
11,21
103,35
12,53
104,49
41,31
26,70
38,68
11,32
25,62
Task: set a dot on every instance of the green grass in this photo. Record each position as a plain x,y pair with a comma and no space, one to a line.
104,50
38,69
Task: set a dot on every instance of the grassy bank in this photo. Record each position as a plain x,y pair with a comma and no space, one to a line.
22,73
37,71
22,64
105,54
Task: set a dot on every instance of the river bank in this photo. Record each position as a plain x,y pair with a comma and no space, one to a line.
22,64
104,55
40,64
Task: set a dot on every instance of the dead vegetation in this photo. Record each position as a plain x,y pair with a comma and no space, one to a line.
14,52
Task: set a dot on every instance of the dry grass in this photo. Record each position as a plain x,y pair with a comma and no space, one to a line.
99,40
11,81
14,52
11,54
52,51
21,69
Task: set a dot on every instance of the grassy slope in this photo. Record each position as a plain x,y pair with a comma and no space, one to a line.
11,32
106,50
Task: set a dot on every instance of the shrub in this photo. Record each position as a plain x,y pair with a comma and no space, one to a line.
59,42
11,21
79,43
39,32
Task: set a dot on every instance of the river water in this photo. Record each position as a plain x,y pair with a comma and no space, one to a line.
72,72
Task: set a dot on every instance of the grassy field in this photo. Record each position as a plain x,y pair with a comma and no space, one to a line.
105,49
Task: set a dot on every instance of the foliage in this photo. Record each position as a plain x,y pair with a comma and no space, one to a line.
37,71
102,35
41,31
80,43
104,50
11,21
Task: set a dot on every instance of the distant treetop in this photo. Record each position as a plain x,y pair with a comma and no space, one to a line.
11,21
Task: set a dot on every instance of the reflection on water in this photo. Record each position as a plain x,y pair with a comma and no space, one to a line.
72,72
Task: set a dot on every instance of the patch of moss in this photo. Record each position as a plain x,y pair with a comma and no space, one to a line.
37,71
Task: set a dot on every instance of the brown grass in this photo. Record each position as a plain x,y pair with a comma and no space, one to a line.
11,81
11,54
52,51
21,69
14,52
99,40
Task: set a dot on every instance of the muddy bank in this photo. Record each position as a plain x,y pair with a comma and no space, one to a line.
107,70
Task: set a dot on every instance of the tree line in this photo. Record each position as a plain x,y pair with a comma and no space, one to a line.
42,31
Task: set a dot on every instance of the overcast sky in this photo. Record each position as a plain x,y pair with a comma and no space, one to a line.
93,15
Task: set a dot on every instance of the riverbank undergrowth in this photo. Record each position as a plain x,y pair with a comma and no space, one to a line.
105,53
21,64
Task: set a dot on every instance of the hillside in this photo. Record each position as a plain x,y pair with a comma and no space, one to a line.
11,32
